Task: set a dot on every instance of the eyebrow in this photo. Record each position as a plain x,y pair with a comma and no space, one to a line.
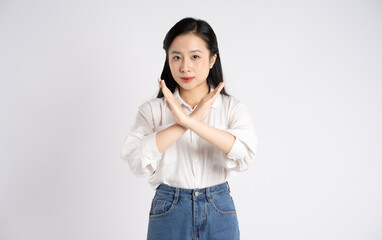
177,52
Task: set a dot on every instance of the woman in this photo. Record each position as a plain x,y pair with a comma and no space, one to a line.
191,140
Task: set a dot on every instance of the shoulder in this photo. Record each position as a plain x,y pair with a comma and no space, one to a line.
151,106
236,109
232,103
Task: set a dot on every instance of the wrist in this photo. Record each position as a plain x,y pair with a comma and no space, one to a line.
188,121
182,127
195,116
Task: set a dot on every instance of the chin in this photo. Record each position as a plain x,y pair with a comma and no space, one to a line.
186,87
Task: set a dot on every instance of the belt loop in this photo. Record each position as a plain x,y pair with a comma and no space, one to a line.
229,189
176,196
208,194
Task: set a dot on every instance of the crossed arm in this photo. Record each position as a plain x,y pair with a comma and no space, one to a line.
166,137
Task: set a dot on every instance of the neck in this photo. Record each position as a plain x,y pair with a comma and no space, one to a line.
192,97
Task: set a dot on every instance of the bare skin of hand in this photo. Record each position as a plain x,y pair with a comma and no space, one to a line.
219,138
200,112
204,105
178,114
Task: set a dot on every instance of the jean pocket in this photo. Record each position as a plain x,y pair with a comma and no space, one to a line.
161,205
223,204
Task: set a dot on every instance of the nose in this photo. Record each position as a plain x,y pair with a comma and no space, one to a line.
186,65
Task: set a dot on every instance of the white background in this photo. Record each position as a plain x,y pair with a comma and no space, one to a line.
74,72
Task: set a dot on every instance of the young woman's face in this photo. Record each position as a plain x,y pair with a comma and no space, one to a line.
190,61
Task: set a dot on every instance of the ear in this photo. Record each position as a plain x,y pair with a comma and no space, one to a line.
212,60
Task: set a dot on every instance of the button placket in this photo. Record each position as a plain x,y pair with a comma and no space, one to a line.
196,161
192,156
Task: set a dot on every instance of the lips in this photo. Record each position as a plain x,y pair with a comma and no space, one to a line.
187,79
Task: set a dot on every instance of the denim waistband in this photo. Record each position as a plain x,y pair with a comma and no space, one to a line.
194,193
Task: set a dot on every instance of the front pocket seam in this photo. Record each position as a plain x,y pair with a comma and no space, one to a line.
158,203
218,211
164,214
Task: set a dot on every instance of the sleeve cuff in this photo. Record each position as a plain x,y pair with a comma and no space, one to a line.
149,149
237,152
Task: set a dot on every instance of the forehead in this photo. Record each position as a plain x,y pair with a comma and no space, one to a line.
188,42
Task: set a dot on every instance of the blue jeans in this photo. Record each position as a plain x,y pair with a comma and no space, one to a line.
185,214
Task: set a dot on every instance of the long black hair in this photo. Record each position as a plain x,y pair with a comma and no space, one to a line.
202,29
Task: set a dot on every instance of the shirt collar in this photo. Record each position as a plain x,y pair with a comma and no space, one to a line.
215,105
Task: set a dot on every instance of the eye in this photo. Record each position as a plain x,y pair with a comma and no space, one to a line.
176,57
195,57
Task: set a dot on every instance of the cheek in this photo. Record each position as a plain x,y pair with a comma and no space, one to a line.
173,70
201,65
203,68
172,67
171,64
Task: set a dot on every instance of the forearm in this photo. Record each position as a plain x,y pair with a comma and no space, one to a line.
166,137
219,138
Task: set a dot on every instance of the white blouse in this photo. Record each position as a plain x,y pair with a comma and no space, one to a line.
190,162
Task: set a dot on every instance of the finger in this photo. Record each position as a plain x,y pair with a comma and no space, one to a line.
168,94
167,104
219,88
159,82
162,83
213,95
171,101
163,86
215,92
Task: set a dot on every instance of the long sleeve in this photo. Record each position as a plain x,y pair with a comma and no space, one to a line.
245,145
139,148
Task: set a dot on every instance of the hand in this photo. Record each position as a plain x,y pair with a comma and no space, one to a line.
204,105
178,114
